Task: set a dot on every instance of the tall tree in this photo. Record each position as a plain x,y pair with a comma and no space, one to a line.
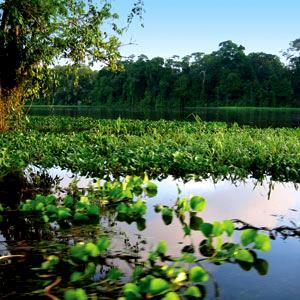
37,33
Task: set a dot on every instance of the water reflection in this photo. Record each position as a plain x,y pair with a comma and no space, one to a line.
248,201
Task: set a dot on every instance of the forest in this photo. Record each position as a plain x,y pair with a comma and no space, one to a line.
226,77
133,208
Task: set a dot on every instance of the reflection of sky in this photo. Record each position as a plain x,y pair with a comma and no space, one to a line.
243,201
224,201
247,201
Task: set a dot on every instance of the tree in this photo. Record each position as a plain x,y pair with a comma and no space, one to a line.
37,33
292,55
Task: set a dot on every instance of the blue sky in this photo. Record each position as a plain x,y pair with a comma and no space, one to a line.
185,26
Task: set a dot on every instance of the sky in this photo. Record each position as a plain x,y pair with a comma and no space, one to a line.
181,27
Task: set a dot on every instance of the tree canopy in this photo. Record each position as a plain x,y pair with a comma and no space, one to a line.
36,33
225,77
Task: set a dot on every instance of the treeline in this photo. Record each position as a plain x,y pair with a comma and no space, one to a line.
226,77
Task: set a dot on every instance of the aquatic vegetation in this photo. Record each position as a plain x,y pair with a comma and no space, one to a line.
120,153
183,149
84,208
71,269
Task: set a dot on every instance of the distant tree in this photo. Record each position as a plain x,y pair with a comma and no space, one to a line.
224,77
293,55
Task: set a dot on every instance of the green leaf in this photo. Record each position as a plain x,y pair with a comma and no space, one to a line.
84,200
261,266
45,218
262,242
161,248
198,274
122,208
92,249
158,208
103,244
167,215
198,203
158,286
206,229
228,227
151,189
114,274
63,213
79,252
51,209
244,255
193,291
183,204
186,230
50,199
248,236
132,291
78,294
195,222
68,201
171,296
40,206
75,276
217,228
81,218
206,248
188,257
51,262
145,282
90,269
93,210
138,270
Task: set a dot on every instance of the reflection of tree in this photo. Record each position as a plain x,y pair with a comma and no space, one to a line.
280,231
24,184
29,241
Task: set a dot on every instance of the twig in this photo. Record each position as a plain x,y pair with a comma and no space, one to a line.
49,287
6,257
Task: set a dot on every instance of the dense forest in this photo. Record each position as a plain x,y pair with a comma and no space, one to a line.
226,77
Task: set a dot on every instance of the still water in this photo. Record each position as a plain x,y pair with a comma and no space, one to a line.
259,204
255,117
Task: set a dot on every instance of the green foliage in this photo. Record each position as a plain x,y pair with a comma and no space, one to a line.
100,147
226,77
75,294
198,274
159,276
212,246
86,208
37,33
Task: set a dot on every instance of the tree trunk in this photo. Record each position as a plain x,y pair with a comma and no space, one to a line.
11,108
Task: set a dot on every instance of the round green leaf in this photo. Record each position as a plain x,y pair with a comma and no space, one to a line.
161,248
198,203
171,296
193,291
244,255
248,236
262,242
198,274
158,285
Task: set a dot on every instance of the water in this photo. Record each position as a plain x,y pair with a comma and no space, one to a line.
248,201
252,116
